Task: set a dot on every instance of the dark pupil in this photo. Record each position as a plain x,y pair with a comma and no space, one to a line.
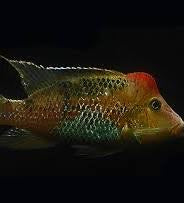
156,104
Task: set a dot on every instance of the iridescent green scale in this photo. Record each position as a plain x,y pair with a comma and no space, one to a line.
88,127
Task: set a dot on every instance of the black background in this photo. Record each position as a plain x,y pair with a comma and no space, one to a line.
128,40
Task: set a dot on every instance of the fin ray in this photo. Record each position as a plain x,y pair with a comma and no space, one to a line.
20,139
93,151
33,77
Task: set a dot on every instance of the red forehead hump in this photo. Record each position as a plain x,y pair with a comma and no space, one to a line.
144,80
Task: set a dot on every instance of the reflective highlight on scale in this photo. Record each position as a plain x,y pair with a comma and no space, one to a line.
96,111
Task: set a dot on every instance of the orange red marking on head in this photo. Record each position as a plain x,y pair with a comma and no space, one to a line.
144,79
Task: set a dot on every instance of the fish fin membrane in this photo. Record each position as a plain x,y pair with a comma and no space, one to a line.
2,98
86,151
33,77
20,139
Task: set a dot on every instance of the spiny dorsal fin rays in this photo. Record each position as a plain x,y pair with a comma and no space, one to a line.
74,68
34,77
54,68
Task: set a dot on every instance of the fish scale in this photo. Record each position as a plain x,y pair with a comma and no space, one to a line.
81,129
89,107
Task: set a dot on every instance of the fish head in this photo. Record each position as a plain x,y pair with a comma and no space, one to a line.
155,119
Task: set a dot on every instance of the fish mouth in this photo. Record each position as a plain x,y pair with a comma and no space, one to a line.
178,129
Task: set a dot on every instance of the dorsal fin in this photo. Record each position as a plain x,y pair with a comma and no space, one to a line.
143,79
33,77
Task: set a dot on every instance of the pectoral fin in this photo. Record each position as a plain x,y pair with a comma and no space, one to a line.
20,139
143,135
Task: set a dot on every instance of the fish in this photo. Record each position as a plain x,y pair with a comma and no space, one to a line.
96,111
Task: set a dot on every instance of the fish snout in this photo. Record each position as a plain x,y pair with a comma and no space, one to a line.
178,129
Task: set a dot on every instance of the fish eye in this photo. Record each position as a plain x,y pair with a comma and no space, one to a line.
155,104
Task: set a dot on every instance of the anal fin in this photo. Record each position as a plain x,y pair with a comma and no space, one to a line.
93,151
20,139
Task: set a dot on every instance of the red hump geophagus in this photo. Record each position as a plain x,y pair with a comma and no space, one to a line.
143,79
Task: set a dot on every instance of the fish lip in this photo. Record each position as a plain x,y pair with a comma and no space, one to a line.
178,129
